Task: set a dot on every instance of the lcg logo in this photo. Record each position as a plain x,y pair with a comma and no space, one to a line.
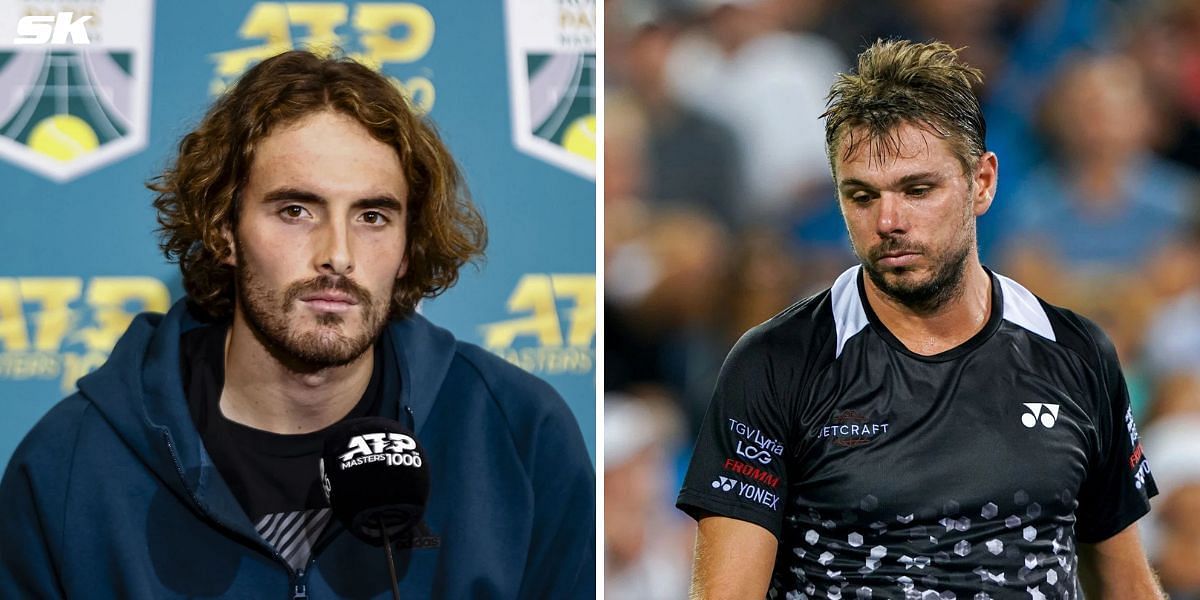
753,453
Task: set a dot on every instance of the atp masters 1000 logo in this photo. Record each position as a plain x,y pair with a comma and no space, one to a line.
363,29
536,342
74,83
64,327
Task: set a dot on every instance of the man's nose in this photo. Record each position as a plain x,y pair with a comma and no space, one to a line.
891,217
334,256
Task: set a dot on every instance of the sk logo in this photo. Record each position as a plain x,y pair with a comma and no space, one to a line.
1046,414
724,483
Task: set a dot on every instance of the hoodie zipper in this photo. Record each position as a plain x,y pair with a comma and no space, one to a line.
300,587
299,580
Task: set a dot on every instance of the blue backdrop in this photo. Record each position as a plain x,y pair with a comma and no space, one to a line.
83,126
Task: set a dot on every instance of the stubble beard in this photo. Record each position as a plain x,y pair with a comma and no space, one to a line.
270,316
930,294
926,296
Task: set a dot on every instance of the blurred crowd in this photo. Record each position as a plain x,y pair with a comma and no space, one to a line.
720,212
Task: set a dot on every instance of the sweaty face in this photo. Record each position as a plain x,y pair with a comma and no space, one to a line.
320,239
910,212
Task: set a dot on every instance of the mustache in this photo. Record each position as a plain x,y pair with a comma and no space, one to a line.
328,283
894,246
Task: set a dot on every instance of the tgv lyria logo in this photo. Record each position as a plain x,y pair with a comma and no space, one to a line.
1046,414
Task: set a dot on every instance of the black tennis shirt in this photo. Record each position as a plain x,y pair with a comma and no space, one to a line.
883,473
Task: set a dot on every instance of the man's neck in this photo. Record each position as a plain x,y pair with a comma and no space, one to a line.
947,326
263,393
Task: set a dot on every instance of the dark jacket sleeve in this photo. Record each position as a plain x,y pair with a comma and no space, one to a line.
32,505
562,556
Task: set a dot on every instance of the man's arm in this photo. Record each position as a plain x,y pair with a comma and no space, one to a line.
27,568
1122,569
734,559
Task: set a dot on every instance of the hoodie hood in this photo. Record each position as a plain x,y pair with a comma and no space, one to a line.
139,391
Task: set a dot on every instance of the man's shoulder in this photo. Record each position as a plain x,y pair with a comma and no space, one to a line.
1066,328
505,381
801,329
534,413
52,440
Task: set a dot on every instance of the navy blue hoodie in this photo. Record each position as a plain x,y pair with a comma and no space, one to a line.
112,494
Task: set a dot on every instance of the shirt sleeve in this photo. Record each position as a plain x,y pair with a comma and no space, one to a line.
737,468
1119,485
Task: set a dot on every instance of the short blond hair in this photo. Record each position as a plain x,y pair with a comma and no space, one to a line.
899,81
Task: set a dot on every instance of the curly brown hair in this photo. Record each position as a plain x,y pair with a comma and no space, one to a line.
197,196
898,81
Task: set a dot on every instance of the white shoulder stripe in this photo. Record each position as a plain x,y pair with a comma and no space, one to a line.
1022,308
848,315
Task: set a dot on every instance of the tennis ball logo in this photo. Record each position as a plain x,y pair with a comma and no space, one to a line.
580,137
63,137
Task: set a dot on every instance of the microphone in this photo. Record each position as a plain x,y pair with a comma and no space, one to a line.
375,476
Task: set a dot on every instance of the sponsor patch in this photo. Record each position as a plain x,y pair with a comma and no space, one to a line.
851,428
747,491
753,445
1137,460
752,472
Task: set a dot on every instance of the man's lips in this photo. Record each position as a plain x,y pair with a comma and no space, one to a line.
898,259
329,301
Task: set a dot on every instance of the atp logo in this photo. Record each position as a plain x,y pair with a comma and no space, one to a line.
398,449
64,327
1046,414
723,483
386,36
553,352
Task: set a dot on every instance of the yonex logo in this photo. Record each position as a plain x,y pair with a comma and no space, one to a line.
46,29
1046,414
724,483
747,491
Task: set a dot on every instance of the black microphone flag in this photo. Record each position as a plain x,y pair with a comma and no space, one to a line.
374,471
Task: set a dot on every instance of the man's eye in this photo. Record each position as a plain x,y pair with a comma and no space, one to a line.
293,211
374,218
860,197
919,192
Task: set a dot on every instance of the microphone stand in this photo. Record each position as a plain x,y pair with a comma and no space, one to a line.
387,550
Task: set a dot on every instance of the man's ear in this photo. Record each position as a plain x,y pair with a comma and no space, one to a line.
987,175
227,233
403,267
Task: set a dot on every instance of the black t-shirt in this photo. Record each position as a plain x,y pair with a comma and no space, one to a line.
275,477
883,473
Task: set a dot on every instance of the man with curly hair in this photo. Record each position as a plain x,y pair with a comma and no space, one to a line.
310,211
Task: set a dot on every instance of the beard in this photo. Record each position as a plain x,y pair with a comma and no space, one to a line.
923,296
270,315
